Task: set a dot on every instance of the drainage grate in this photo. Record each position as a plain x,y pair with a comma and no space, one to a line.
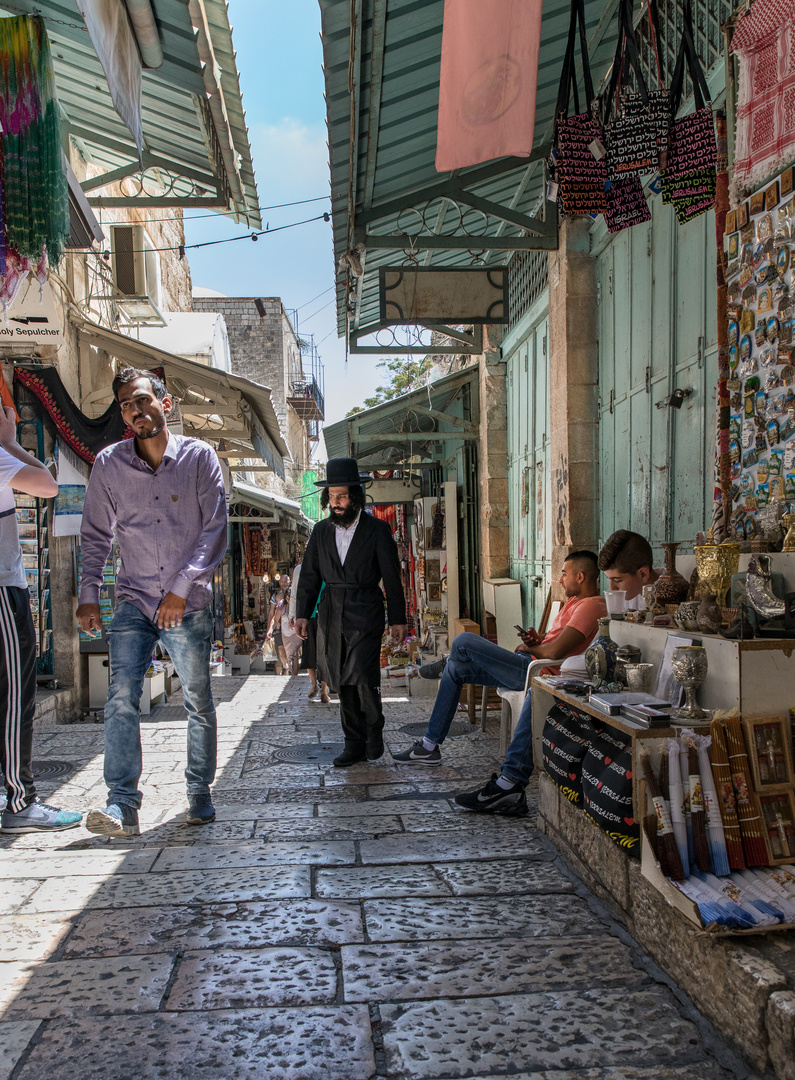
309,753
456,728
43,770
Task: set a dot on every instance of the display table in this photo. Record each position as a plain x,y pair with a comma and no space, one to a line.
757,678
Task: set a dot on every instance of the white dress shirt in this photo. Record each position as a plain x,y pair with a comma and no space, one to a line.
344,536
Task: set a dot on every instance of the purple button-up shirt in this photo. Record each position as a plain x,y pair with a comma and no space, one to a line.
170,524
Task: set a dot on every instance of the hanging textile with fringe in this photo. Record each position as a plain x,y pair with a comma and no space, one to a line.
35,193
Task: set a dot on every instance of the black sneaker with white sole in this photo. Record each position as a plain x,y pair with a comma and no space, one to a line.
493,799
418,755
434,670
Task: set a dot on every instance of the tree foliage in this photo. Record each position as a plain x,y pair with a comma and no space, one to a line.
403,377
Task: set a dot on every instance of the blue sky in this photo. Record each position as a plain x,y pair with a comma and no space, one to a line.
279,58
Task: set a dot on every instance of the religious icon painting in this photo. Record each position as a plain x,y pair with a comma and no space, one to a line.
782,260
786,185
733,247
764,300
731,221
742,215
771,195
733,332
756,203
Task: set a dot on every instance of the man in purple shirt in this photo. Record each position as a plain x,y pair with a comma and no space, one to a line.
163,494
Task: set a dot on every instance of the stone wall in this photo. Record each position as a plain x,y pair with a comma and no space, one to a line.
493,459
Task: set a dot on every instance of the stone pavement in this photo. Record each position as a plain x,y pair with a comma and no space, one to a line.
330,925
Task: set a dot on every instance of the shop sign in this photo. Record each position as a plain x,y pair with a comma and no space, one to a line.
32,318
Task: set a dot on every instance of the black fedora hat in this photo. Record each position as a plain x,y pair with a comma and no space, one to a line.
343,472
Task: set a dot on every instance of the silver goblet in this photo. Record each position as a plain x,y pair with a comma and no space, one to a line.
689,666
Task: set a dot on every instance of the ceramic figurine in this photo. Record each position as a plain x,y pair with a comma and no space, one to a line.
670,587
600,656
708,616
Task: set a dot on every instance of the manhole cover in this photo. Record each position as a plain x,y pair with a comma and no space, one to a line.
309,753
456,728
43,770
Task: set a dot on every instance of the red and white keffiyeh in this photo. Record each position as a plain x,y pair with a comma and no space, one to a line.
764,42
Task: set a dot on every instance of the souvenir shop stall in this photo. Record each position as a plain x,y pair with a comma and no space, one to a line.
267,536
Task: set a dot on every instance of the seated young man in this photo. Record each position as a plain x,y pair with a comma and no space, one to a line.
480,662
627,562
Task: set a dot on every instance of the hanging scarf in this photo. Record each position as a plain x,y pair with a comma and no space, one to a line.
764,43
35,189
86,435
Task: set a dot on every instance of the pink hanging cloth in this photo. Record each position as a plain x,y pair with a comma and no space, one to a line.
487,88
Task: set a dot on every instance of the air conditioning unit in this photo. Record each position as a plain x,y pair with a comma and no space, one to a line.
136,275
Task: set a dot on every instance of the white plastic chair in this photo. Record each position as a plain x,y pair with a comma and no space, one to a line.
512,702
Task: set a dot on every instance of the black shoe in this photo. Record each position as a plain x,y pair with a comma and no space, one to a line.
434,670
348,757
200,810
418,755
492,799
375,747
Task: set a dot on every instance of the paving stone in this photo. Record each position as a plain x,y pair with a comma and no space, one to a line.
214,926
15,893
134,984
243,812
186,887
52,864
560,1030
34,937
301,795
408,848
454,968
698,1070
455,819
14,1040
486,878
257,853
323,1043
359,882
384,806
417,919
253,978
364,827
383,774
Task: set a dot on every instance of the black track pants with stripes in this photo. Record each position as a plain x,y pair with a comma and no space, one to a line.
17,694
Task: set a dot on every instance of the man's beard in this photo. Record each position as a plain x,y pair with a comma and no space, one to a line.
144,434
343,517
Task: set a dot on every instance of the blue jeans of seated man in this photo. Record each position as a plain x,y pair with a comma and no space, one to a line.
131,640
475,660
518,764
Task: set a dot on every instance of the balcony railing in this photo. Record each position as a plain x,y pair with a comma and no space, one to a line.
305,397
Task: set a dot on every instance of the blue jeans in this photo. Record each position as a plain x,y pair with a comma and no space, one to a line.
131,640
518,764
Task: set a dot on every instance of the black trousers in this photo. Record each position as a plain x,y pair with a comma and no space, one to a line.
17,695
361,715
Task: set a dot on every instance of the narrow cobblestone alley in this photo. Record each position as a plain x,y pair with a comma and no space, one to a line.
330,925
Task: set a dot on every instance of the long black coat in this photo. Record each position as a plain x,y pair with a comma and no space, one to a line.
351,612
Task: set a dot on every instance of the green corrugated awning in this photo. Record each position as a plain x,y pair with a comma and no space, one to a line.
424,425
182,139
382,90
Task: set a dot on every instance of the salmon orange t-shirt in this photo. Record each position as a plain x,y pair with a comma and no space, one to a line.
581,613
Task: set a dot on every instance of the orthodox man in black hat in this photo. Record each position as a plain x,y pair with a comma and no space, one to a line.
348,555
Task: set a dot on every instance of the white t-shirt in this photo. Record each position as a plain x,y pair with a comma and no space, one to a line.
12,572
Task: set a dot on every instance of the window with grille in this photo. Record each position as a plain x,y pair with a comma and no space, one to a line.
708,18
528,277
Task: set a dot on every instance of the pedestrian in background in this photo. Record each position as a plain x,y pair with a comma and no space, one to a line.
309,649
163,495
24,812
350,553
